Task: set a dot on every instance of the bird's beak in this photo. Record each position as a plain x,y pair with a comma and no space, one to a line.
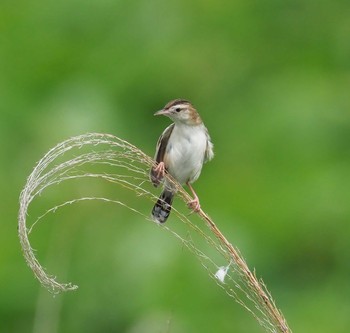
162,113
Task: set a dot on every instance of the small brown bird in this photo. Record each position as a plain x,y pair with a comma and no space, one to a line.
181,151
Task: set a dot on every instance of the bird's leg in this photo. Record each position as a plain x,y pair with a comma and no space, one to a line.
194,204
160,170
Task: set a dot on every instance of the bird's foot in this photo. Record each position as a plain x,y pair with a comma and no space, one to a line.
194,205
157,174
160,170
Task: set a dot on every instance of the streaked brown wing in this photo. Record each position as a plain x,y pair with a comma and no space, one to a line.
160,151
209,151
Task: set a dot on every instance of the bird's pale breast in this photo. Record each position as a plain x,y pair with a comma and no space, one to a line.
185,152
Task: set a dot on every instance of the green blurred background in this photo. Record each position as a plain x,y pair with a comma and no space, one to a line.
271,80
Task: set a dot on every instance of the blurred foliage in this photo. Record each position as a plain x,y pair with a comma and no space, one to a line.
271,81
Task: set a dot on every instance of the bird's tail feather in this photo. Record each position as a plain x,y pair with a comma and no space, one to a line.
162,208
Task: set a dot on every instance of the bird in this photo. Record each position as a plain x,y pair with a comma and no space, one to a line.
182,149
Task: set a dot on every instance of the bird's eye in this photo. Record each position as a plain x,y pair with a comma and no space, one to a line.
177,109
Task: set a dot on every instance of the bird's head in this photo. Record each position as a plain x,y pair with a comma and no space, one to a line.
181,111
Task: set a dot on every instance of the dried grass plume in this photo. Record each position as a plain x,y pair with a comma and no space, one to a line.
130,166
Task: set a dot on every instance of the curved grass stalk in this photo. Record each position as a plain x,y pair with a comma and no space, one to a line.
130,170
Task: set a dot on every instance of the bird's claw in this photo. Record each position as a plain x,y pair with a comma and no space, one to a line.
194,205
160,170
157,174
